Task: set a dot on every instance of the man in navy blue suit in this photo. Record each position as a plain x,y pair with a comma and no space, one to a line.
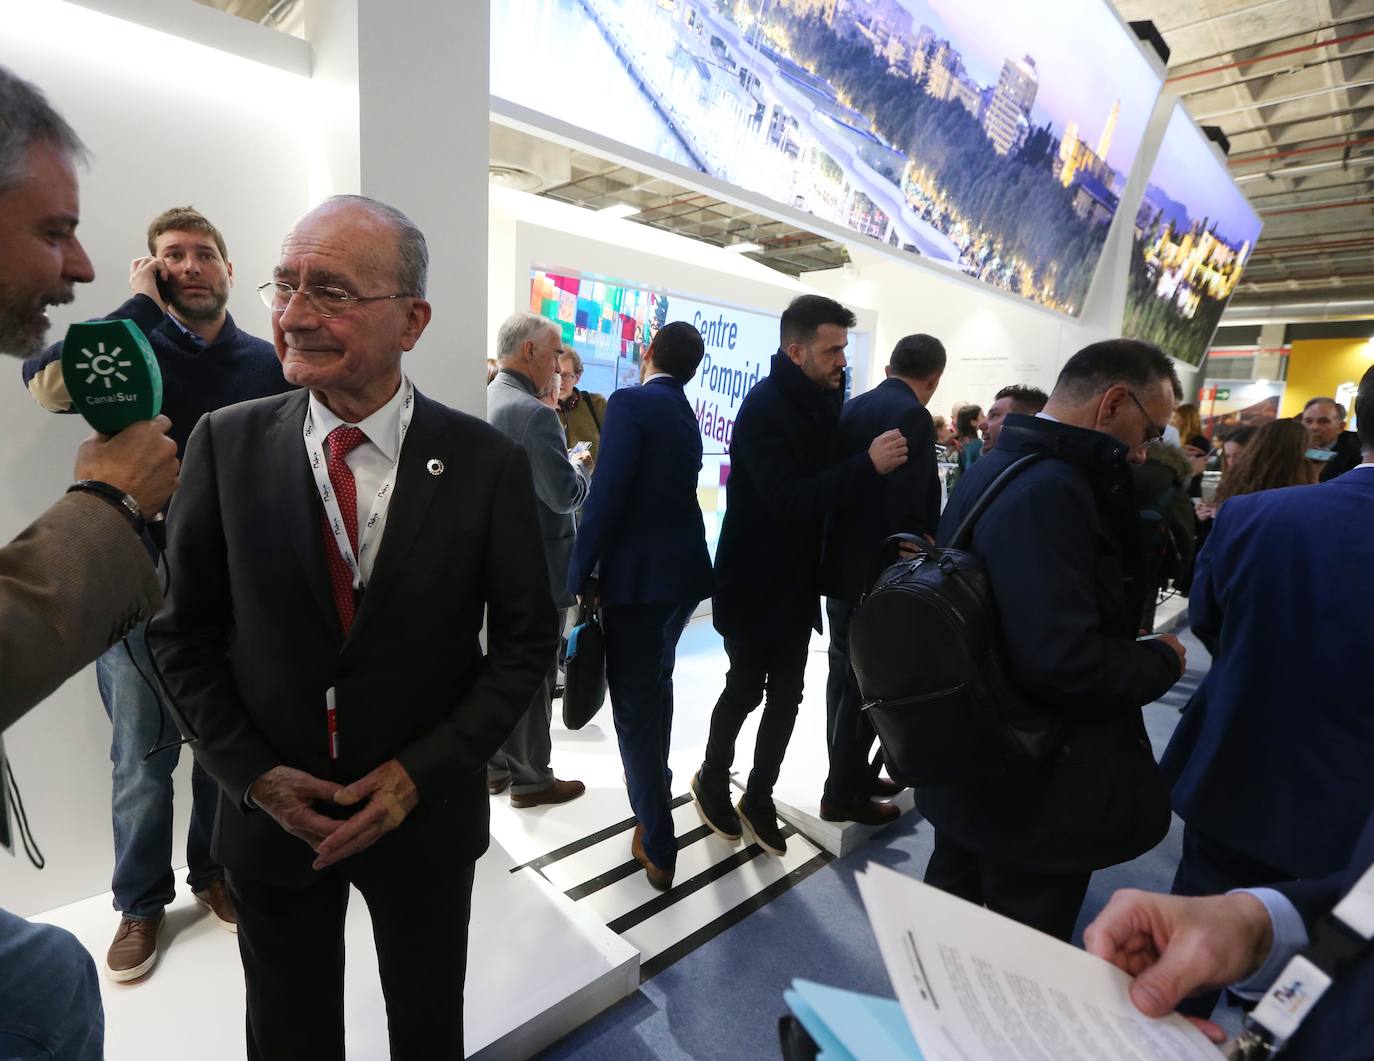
1270,764
642,531
1174,946
906,501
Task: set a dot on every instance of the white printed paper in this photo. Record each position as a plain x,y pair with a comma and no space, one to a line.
976,986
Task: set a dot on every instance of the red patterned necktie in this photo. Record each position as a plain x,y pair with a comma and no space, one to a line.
341,442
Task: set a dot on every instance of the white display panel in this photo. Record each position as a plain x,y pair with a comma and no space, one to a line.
1193,235
995,139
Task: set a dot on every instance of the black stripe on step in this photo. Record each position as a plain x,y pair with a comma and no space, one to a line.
628,869
730,918
660,903
590,841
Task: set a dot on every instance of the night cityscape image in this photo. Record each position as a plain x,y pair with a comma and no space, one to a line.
1193,234
987,137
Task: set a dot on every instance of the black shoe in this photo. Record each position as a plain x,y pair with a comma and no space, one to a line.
762,819
866,812
715,810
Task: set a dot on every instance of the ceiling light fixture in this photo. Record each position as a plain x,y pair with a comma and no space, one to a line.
618,210
743,248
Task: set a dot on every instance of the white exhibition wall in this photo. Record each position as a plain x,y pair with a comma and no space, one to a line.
168,123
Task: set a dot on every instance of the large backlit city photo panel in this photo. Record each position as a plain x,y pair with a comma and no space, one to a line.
1193,235
994,137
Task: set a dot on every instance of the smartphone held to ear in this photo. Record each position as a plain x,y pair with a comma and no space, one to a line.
164,286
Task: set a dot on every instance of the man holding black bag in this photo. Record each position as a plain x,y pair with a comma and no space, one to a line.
1057,546
642,528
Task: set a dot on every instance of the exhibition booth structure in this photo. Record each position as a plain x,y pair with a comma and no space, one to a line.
996,182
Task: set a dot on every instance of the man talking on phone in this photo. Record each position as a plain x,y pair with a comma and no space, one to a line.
178,294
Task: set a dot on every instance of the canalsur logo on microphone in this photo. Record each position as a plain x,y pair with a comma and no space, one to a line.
111,374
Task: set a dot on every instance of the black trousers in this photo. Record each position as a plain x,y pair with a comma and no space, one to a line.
1211,867
776,668
292,945
849,736
1047,901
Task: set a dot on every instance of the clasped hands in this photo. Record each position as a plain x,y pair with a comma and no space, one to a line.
290,795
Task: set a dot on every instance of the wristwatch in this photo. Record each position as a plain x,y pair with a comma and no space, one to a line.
115,496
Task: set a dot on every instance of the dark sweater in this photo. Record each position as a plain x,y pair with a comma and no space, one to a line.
196,378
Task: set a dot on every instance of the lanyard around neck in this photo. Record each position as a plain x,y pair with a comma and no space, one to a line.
319,467
1340,939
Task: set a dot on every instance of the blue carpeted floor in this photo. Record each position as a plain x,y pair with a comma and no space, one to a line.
724,999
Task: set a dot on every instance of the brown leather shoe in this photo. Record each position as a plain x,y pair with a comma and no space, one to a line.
882,788
558,792
495,788
133,951
662,879
217,900
869,812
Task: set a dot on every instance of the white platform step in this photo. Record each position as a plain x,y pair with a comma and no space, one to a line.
539,967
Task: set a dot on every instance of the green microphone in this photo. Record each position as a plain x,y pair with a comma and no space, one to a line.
111,374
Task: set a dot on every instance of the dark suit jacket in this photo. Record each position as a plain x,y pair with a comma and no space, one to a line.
1339,1027
782,483
642,522
250,639
1275,754
906,500
1060,546
1349,455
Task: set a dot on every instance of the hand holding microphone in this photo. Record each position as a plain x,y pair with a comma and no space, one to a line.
116,385
141,460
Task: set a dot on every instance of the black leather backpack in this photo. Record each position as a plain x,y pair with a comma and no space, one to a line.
926,646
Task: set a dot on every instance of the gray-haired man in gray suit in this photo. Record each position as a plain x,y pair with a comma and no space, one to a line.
527,349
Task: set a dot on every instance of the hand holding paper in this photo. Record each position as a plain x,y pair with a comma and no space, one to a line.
976,986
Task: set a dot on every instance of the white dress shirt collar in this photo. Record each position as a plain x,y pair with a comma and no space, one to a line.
657,375
381,428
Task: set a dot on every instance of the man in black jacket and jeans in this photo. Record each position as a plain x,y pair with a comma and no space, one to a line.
1060,548
767,592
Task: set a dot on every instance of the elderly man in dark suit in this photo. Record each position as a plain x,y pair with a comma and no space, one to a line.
337,549
79,577
643,533
1272,781
907,502
1058,545
782,483
527,351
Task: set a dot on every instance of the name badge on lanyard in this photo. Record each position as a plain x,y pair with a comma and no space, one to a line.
1302,983
319,467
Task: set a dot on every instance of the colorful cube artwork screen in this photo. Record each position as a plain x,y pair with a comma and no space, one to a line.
610,325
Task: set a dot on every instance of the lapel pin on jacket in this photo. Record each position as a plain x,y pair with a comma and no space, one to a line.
435,466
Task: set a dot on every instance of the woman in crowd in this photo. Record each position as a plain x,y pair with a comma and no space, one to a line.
1235,444
1188,419
1276,457
966,436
